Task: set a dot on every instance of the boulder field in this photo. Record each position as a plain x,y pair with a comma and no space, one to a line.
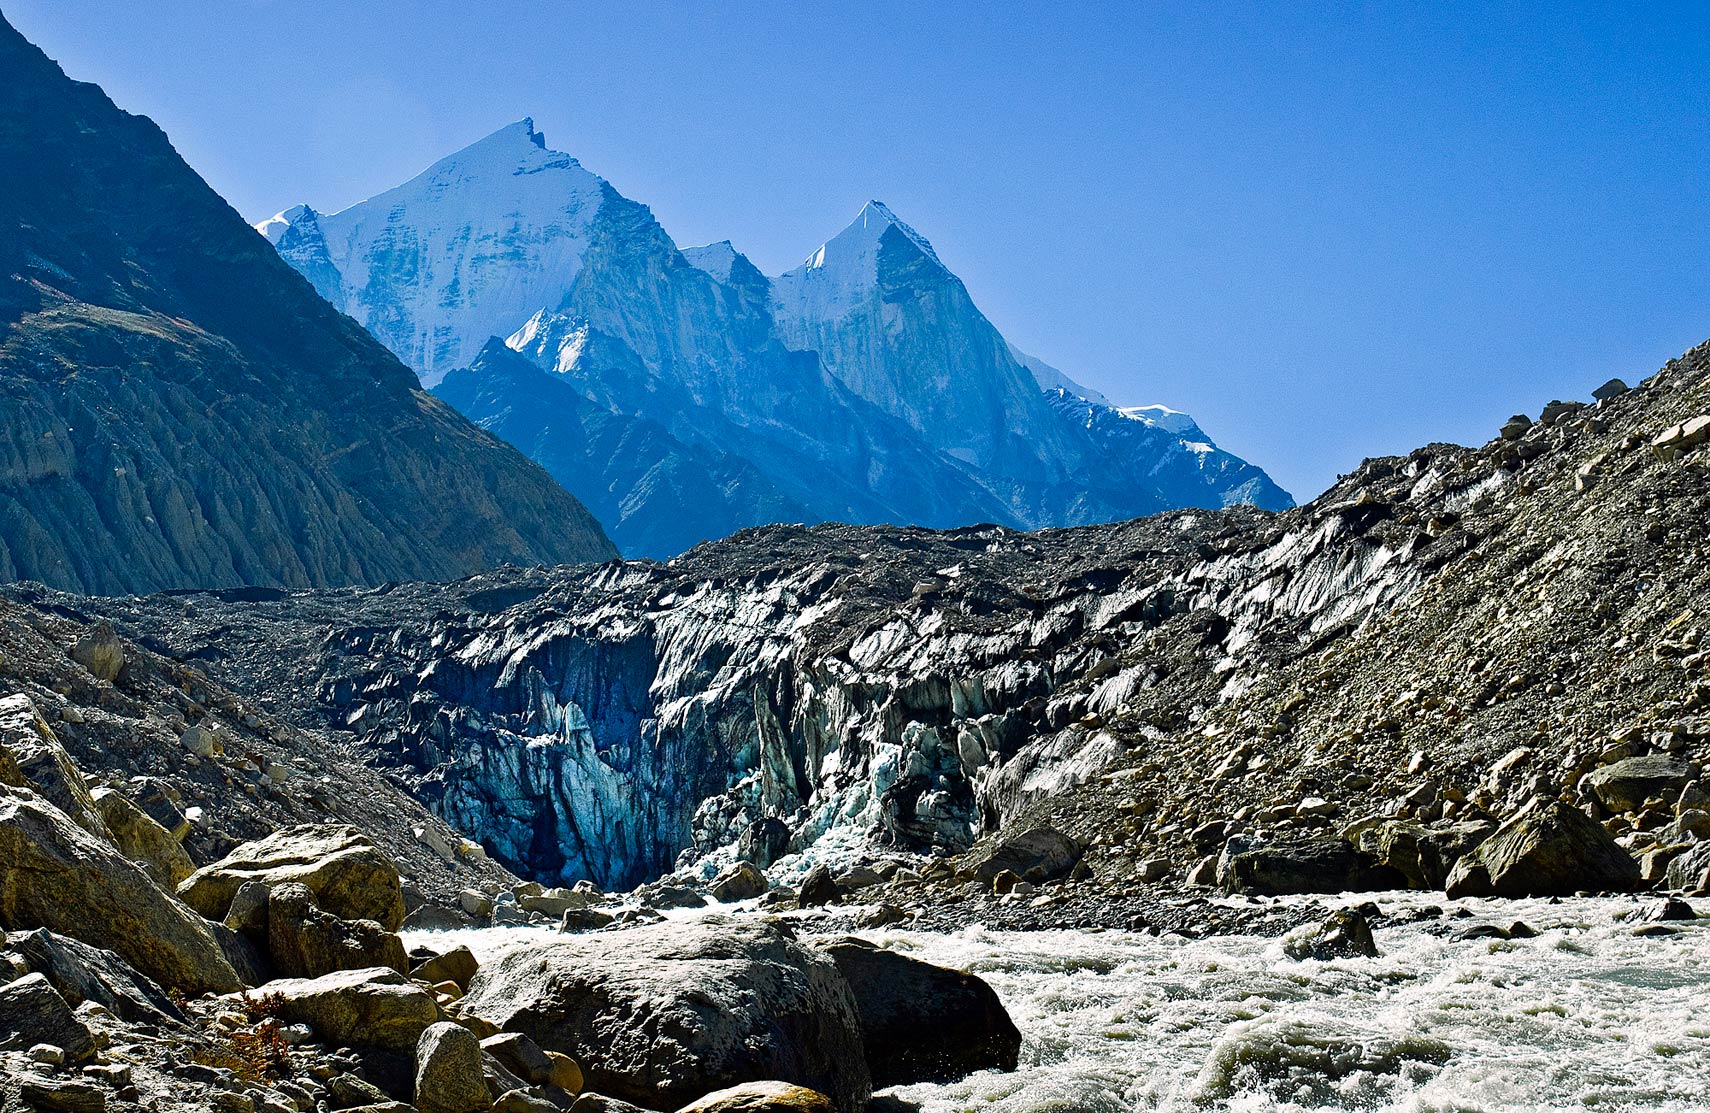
274,978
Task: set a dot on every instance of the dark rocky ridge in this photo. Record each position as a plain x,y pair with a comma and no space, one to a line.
1451,634
177,406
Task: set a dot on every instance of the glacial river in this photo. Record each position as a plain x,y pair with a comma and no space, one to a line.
1586,1016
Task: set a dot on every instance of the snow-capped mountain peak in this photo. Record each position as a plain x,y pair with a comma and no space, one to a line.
274,226
715,258
1162,417
461,252
843,272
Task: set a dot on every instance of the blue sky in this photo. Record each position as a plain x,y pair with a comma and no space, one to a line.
1327,231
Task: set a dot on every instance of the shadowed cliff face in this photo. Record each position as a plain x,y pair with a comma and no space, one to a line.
177,406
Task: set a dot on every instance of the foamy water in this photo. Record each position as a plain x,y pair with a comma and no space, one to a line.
1587,1016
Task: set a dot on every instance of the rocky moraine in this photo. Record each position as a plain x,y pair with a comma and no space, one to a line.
690,790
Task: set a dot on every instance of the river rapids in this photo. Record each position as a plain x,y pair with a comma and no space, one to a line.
1586,1015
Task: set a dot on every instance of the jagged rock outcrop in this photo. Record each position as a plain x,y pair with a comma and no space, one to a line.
55,875
178,408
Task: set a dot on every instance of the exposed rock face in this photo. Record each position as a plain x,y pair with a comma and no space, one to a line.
178,408
923,1023
1551,851
305,942
345,872
32,1012
82,973
448,1071
359,1008
661,1015
53,874
36,753
143,840
1309,866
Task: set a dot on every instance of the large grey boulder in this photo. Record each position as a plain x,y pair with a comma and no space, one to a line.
350,877
663,1014
32,1012
1422,853
449,1077
1552,850
1627,784
1691,870
83,973
55,875
1035,854
1323,865
101,651
361,1008
920,1022
305,942
46,766
143,840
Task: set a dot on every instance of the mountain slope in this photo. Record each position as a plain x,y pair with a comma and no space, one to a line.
178,408
1445,637
864,386
657,495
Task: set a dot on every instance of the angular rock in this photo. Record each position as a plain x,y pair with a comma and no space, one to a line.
521,1101
1325,865
1345,934
305,942
600,1103
521,1056
83,973
818,888
456,965
449,1077
56,875
1690,871
37,753
762,1097
142,840
373,1008
62,1095
1627,784
32,1012
1036,854
101,652
1422,854
920,1022
742,881
662,1014
584,919
350,877
1553,850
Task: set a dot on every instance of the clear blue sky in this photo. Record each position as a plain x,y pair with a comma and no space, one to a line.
1326,231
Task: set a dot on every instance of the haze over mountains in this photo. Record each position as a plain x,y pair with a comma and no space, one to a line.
178,408
683,394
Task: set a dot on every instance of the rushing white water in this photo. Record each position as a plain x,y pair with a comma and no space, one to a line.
1586,1016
